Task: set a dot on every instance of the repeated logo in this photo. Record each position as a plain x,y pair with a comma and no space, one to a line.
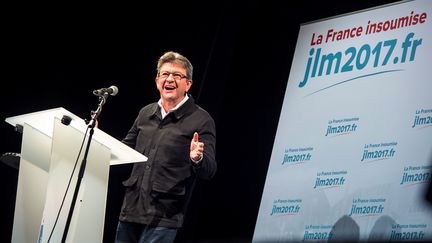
413,175
408,232
284,207
330,179
378,151
317,232
367,207
422,118
294,156
337,127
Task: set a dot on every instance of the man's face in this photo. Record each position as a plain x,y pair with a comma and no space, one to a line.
172,82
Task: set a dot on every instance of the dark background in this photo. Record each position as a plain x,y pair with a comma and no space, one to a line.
56,55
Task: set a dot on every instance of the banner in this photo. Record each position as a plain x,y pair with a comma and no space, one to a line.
352,155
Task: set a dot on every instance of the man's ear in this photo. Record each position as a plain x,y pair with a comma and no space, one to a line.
189,83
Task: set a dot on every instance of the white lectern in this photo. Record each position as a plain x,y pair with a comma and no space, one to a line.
51,151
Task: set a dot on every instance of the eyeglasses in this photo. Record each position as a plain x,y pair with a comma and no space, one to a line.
176,76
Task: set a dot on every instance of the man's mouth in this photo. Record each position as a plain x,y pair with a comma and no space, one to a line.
169,87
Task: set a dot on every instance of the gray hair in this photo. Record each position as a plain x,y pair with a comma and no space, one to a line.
175,57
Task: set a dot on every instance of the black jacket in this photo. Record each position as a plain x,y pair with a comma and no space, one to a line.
157,192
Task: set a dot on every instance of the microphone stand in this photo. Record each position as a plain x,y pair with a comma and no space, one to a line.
91,124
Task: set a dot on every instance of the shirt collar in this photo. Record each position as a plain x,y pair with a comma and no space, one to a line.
164,113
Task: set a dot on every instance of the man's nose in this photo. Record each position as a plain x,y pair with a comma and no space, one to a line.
170,77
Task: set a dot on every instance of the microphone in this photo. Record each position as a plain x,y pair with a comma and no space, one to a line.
112,90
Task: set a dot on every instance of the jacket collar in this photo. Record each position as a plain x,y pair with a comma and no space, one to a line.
187,108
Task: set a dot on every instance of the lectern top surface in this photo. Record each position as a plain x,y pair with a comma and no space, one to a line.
44,122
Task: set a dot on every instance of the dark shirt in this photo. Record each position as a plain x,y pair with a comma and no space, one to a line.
158,190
